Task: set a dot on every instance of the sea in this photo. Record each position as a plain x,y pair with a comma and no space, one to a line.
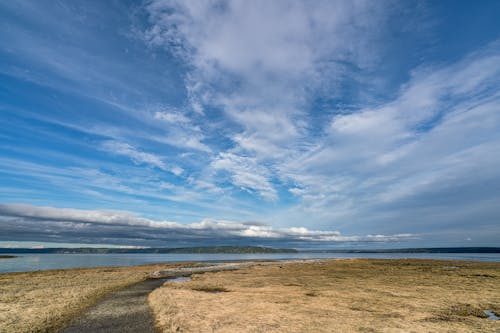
36,262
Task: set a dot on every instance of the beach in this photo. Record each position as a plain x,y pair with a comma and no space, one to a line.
325,295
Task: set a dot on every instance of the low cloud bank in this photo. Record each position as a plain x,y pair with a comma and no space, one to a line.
23,222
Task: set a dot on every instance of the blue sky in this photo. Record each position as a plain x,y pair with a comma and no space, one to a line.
305,124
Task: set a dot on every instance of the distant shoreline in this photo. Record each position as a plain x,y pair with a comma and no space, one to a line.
415,250
186,250
243,250
7,257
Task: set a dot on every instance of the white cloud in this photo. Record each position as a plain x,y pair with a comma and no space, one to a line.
172,117
179,130
279,37
177,170
246,173
259,60
439,128
70,220
439,135
137,156
180,138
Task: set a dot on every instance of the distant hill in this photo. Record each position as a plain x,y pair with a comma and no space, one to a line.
203,249
247,250
231,249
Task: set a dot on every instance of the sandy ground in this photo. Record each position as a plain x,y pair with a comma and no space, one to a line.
357,295
109,299
45,301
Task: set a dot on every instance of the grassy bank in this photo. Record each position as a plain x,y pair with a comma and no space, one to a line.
43,301
357,295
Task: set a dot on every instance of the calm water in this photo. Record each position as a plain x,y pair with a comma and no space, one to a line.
35,262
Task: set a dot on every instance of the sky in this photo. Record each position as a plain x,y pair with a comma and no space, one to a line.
305,124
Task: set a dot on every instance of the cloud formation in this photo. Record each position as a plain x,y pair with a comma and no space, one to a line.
139,157
260,61
323,115
127,228
246,174
437,136
263,63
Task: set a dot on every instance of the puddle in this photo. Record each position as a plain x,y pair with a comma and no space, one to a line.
491,315
179,279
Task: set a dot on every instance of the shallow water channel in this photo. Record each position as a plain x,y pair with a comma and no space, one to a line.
491,315
179,279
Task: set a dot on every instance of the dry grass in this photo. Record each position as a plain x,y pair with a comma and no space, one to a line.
358,295
44,301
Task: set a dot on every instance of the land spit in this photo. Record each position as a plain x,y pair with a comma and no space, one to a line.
200,268
7,257
344,296
127,310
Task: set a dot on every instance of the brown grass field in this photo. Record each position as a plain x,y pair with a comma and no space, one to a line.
358,295
355,295
44,301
